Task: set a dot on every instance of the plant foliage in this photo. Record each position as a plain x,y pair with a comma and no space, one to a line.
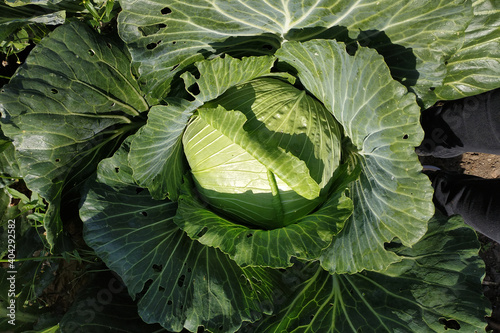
161,132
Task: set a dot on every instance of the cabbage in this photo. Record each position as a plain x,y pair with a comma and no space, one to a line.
237,180
323,247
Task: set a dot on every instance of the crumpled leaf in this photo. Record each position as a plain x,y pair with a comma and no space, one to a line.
66,108
179,282
391,198
247,246
475,67
166,38
17,3
12,19
435,288
156,156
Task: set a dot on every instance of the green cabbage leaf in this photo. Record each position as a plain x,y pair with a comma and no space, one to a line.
66,108
392,198
415,37
475,67
188,284
424,292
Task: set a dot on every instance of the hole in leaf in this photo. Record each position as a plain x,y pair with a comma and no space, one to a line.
432,88
138,190
202,232
166,11
146,287
109,46
173,68
249,235
151,46
221,328
113,104
196,73
169,302
180,281
54,91
91,53
405,136
58,160
160,288
117,169
149,30
189,270
393,245
194,89
157,268
144,213
174,42
449,324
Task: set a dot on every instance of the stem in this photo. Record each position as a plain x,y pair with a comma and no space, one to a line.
91,9
5,177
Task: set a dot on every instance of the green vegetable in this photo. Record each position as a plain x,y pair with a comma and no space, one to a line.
145,125
270,159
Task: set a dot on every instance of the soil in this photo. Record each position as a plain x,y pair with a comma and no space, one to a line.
484,166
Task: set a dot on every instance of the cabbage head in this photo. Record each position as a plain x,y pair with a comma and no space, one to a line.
254,188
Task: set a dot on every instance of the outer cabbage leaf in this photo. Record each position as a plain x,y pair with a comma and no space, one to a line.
156,155
391,198
220,74
179,282
12,19
16,3
9,168
475,67
157,158
435,288
166,37
9,172
116,311
304,239
66,108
